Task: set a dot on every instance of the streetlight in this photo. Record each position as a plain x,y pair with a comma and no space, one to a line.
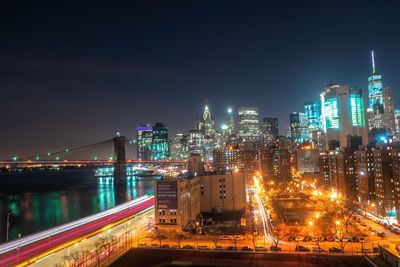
8,224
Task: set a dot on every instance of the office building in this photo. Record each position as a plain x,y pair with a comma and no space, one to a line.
307,159
206,123
343,113
269,130
275,163
230,121
396,115
249,130
144,141
313,113
177,203
388,110
160,145
347,183
299,131
223,192
227,159
196,142
179,147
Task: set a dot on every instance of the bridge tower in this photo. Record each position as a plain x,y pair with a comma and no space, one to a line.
120,160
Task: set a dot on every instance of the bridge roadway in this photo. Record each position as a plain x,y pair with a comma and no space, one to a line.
31,248
85,162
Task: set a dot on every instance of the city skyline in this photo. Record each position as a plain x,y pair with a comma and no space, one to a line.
90,81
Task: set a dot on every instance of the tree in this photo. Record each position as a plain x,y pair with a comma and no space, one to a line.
158,235
214,234
178,236
235,233
278,233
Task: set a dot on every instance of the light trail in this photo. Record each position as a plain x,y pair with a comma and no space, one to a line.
38,243
264,218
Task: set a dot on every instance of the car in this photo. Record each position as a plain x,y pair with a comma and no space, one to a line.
143,246
300,248
247,248
363,224
174,247
318,250
275,248
322,239
230,248
381,234
335,249
164,246
154,245
224,237
205,247
291,238
260,248
355,239
188,247
219,248
363,239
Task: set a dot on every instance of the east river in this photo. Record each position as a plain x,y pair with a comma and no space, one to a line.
38,200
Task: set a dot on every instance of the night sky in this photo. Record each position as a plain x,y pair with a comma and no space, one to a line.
73,74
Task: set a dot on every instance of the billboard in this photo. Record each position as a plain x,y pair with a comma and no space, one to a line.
167,194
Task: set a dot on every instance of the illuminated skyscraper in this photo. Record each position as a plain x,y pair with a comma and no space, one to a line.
196,143
179,147
343,113
388,110
249,129
299,127
230,121
313,112
206,124
375,87
397,123
269,130
144,140
160,146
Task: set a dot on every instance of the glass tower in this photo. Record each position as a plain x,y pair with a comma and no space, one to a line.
357,108
144,140
249,128
160,146
375,87
313,112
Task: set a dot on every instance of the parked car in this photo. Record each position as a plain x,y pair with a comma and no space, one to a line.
143,246
164,246
219,248
363,224
291,238
335,249
225,237
231,248
247,248
354,239
205,247
188,247
300,248
239,238
318,250
261,248
275,248
154,245
381,234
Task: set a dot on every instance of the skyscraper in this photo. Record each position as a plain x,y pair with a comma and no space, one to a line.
396,113
343,113
388,110
269,130
144,140
160,146
249,129
299,127
375,87
230,121
313,111
179,147
206,124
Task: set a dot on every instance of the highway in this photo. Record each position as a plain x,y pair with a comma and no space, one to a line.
33,247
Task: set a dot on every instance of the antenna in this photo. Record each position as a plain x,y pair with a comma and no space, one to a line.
373,61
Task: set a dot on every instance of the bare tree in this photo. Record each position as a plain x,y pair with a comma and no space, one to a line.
158,235
214,234
278,233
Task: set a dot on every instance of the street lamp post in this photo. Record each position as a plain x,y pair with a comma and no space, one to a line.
8,225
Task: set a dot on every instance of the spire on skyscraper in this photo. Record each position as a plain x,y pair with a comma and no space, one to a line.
373,61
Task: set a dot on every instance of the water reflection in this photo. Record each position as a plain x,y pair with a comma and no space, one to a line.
61,197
